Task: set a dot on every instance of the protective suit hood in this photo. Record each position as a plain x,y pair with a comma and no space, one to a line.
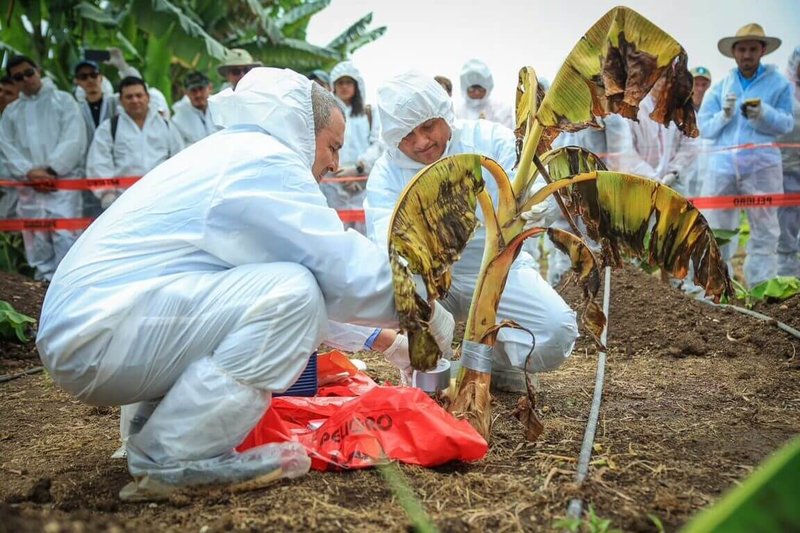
348,69
476,72
277,101
47,87
791,71
406,101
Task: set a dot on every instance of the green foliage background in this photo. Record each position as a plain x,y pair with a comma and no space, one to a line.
164,39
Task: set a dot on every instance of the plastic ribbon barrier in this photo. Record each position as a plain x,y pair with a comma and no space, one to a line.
77,224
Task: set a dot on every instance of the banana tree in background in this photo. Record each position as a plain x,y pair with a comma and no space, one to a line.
165,39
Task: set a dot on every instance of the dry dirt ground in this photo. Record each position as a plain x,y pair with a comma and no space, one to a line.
695,397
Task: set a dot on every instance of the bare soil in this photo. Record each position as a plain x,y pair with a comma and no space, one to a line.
695,397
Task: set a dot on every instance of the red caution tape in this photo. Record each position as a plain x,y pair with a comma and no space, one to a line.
80,184
75,224
746,201
352,215
45,224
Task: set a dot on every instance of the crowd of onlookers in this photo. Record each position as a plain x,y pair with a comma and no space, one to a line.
125,128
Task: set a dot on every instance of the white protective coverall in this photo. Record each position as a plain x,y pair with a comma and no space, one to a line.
789,217
193,124
40,131
660,151
405,102
8,195
476,72
756,170
361,147
209,283
133,152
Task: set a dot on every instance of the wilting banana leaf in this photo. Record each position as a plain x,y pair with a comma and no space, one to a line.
630,215
432,223
585,266
529,96
612,68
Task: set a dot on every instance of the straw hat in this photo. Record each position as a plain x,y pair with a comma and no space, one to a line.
237,57
748,32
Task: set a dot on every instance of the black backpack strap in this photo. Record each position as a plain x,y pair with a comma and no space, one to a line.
114,124
368,111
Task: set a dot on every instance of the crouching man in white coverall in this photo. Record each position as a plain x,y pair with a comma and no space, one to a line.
418,128
211,281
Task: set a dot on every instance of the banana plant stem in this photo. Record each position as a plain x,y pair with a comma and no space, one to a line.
557,195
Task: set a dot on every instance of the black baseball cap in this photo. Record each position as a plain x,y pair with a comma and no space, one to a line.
86,63
196,79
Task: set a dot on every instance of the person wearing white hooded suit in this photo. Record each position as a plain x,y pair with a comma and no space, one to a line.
477,100
418,127
209,283
789,217
42,138
361,141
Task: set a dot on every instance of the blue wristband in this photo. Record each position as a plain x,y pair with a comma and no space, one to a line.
371,339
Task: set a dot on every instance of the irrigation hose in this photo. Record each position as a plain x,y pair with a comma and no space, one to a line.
785,327
575,508
9,377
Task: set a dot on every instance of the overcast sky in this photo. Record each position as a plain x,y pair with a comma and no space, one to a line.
437,36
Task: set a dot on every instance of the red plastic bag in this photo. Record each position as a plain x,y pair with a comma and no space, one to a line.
382,424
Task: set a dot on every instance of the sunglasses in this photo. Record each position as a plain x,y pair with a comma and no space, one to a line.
27,73
86,75
238,71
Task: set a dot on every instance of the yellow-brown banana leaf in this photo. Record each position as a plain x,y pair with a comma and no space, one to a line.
432,223
612,68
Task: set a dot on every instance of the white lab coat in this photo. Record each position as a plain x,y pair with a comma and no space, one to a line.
193,124
40,131
217,272
135,151
475,72
407,101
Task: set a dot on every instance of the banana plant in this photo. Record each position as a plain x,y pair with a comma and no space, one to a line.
611,69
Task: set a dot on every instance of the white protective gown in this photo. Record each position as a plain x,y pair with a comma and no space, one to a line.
193,124
135,151
407,101
40,131
756,170
476,72
211,281
789,217
361,145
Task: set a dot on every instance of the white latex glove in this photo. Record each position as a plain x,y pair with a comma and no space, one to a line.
729,104
107,199
354,186
441,326
116,59
347,172
753,112
542,214
669,178
397,354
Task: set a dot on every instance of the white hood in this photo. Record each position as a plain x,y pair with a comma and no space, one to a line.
476,72
347,68
406,101
277,101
